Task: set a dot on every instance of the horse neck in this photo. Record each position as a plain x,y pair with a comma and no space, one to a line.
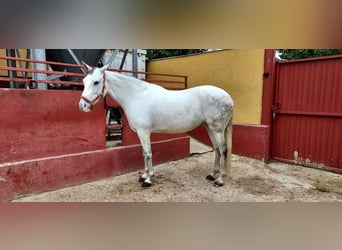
122,87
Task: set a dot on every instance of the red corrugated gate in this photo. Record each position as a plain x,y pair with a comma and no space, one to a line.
308,113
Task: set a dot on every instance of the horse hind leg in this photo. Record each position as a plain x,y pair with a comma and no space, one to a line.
222,152
214,174
218,140
228,152
225,149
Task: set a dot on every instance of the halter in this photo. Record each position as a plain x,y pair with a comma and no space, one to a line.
98,97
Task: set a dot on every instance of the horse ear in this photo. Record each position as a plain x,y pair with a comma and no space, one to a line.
86,66
104,68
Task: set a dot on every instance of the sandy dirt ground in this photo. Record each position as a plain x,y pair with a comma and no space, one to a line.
184,180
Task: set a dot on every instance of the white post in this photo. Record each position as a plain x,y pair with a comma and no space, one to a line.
39,54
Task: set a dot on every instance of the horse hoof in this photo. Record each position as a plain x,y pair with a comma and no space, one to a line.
210,178
218,184
141,179
146,184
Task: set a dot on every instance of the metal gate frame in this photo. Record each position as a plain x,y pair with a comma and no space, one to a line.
308,131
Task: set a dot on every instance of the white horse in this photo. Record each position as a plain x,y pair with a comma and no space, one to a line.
152,109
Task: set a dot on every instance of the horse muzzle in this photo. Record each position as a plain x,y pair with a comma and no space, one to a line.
85,106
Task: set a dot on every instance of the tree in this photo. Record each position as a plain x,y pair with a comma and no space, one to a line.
291,54
161,53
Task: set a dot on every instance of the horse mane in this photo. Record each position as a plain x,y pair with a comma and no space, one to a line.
131,79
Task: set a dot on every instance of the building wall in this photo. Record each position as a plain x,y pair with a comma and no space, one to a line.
239,72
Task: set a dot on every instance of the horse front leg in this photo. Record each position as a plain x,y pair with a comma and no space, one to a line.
146,178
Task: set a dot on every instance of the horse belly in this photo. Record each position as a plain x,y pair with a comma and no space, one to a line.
176,120
176,127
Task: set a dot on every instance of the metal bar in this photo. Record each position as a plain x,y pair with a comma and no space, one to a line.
146,73
53,77
53,74
73,55
305,113
123,59
57,82
164,81
80,74
114,126
111,59
14,79
28,55
27,64
80,66
134,62
40,61
41,81
311,59
41,71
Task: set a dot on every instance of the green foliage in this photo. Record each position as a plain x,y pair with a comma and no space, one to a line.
161,53
291,54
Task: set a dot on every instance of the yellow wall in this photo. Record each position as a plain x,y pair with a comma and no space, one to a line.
23,53
239,72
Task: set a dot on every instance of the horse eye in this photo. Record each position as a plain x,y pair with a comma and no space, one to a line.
97,82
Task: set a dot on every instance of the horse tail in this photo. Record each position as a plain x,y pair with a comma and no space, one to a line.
228,138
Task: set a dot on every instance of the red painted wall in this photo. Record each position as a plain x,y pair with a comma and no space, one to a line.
46,174
47,143
251,141
248,140
41,123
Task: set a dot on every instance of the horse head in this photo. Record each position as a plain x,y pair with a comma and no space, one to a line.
94,87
